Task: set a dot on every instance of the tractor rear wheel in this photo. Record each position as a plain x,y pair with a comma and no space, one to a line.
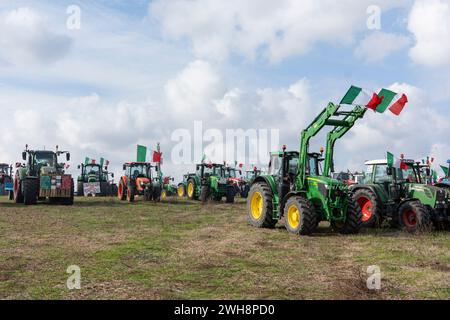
69,201
157,194
191,190
180,191
80,189
371,208
130,194
414,217
18,196
205,194
230,195
299,216
30,191
353,220
11,195
122,191
260,207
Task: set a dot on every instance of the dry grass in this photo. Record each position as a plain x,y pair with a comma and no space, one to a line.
181,250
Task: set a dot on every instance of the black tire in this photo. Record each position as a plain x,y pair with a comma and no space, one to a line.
156,194
303,219
30,191
130,193
122,187
80,189
193,196
414,217
353,221
263,219
205,194
10,195
230,195
371,208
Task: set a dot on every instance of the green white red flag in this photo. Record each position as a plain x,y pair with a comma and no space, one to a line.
381,102
394,162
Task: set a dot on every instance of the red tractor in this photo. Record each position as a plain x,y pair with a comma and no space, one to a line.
139,180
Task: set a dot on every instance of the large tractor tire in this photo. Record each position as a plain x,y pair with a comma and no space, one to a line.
205,194
371,208
414,217
191,190
122,191
69,201
231,193
80,189
163,195
181,192
260,207
130,193
156,195
11,195
299,216
353,221
30,191
18,196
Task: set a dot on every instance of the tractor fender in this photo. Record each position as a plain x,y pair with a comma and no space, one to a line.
372,188
269,181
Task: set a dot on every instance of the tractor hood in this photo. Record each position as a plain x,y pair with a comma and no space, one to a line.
327,181
427,194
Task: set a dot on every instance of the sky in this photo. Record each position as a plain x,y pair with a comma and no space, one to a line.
123,73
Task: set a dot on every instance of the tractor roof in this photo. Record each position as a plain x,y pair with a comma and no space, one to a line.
374,162
4,165
138,163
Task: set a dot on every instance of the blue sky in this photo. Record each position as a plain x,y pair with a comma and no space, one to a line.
138,70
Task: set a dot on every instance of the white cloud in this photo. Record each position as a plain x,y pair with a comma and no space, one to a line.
378,45
25,39
274,29
429,21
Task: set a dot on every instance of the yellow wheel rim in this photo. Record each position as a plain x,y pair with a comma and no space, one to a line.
180,191
256,206
163,195
190,189
293,217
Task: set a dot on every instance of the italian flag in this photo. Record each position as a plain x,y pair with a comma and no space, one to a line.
393,101
445,169
392,161
362,97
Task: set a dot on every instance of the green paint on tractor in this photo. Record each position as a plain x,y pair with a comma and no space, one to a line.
296,188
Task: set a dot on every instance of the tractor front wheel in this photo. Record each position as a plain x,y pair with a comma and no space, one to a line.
130,194
69,201
205,194
157,193
180,191
80,189
191,190
414,217
299,216
353,220
230,195
260,207
370,208
30,191
121,191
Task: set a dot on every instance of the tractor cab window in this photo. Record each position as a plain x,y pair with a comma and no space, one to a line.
380,175
4,170
275,165
92,169
140,171
45,159
313,166
231,173
208,171
250,175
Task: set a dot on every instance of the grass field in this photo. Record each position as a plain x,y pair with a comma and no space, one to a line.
181,250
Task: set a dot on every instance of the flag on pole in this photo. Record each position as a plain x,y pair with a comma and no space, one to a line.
445,169
86,160
157,157
394,162
141,154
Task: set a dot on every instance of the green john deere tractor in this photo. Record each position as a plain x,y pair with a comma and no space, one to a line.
94,180
169,189
42,177
402,196
297,189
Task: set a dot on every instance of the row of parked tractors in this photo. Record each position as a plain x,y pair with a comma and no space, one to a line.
299,187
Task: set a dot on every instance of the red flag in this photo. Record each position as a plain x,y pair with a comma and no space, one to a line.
398,106
241,165
93,161
157,156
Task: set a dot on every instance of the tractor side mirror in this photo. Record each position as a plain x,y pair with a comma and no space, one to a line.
156,169
24,156
112,175
124,167
68,156
79,167
18,164
389,171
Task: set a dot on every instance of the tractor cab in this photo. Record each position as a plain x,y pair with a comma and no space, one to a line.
135,170
205,171
5,170
43,162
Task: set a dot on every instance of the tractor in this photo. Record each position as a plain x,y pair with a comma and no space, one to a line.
296,188
42,177
140,179
169,189
6,180
401,195
94,180
234,177
182,186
